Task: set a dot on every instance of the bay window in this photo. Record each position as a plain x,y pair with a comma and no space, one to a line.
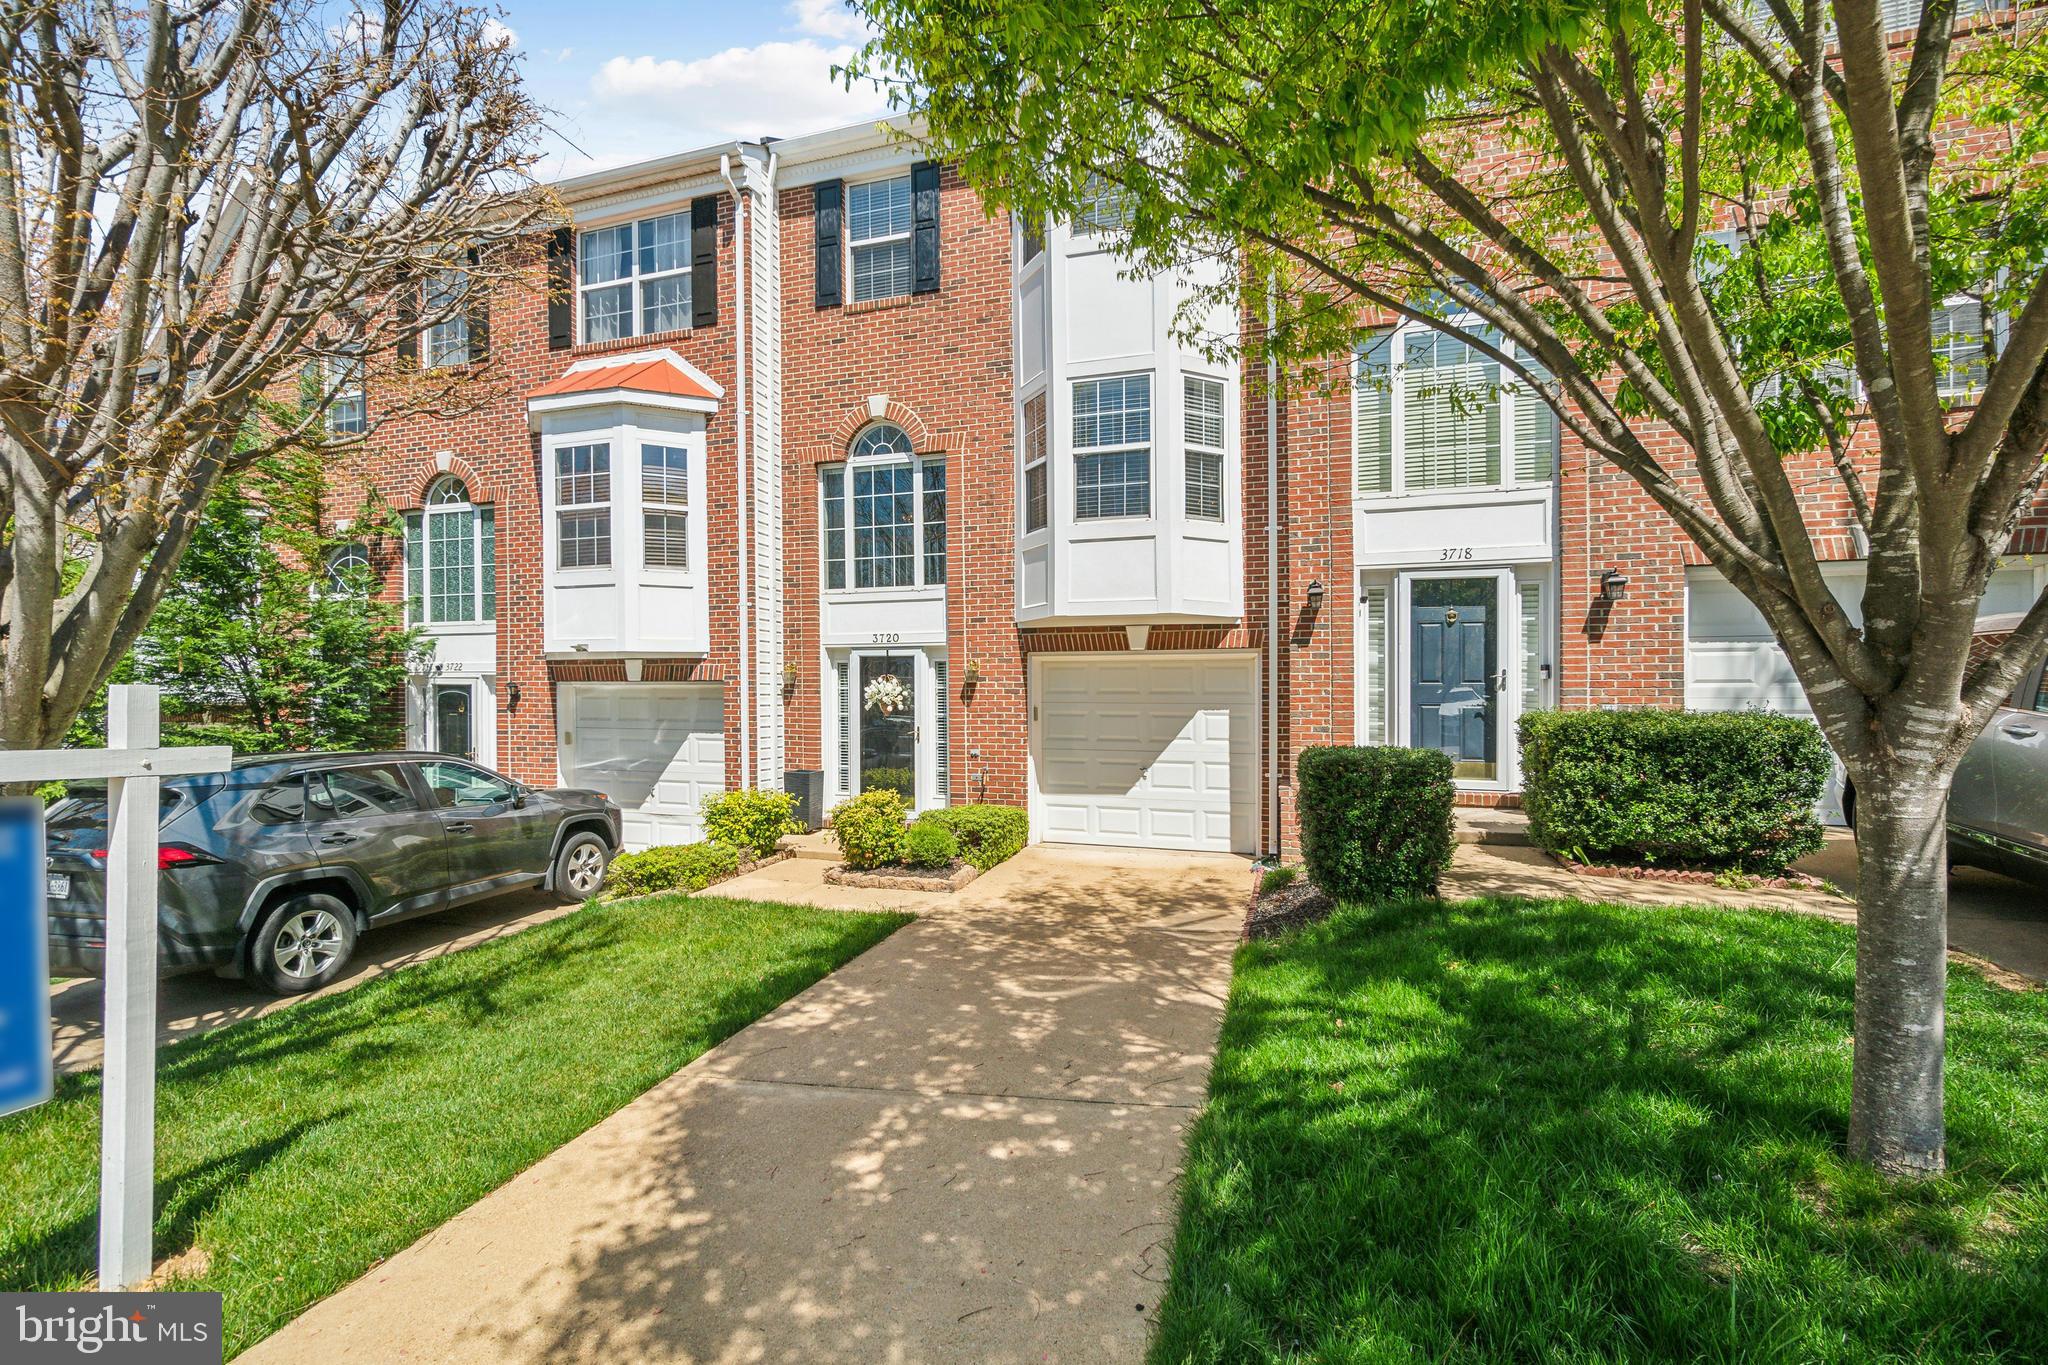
1203,447
1034,451
634,279
451,570
665,507
583,498
1113,447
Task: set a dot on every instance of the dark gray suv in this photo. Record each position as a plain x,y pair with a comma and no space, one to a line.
274,867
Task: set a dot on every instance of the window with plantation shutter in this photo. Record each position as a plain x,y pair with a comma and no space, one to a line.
1530,601
1450,420
1535,429
1372,416
942,781
844,670
1374,729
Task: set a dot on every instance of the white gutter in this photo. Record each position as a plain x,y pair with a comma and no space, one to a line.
739,355
1272,571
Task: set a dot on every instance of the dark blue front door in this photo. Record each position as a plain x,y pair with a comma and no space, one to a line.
1454,670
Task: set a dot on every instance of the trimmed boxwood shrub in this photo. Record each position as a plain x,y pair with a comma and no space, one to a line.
752,820
929,844
1375,822
671,867
1728,789
987,834
869,829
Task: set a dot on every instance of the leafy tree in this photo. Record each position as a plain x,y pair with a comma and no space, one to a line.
1539,178
197,200
266,641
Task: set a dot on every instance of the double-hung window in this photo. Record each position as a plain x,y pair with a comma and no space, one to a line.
1203,446
1433,413
1960,361
1105,207
583,502
1035,469
1113,447
446,299
884,515
634,279
665,506
878,237
451,559
348,409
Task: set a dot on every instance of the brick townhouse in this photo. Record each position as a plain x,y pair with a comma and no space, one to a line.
812,463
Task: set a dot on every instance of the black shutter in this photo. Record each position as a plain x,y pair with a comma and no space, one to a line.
704,261
479,303
561,289
924,228
406,309
826,200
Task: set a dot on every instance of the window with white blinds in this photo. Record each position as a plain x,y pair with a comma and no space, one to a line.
1430,412
942,725
1373,729
1530,601
1960,363
844,671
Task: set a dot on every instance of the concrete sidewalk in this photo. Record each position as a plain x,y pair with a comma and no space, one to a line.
960,1146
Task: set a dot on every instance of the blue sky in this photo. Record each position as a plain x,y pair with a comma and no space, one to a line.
627,81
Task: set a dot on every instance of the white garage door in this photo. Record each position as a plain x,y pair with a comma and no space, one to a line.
657,751
1733,662
1147,752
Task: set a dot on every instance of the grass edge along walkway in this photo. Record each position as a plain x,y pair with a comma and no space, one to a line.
1502,1129
296,1150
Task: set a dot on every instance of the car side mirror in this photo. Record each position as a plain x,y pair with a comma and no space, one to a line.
519,800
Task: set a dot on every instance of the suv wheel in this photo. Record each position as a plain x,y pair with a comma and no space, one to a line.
581,865
303,944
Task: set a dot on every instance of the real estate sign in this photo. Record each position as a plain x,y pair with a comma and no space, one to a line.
24,962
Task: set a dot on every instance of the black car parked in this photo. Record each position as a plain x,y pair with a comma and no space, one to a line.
274,867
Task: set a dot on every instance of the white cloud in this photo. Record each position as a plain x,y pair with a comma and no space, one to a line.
498,34
781,88
835,19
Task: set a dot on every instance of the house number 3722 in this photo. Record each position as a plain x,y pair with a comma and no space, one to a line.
1450,552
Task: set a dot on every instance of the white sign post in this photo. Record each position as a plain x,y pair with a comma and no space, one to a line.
133,765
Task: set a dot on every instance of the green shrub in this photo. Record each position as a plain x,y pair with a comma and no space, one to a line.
751,821
1730,789
987,834
1277,879
928,843
1375,822
869,829
672,867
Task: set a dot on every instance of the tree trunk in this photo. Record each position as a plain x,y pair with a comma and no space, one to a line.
1895,1105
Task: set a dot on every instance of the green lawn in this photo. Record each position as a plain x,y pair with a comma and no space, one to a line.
1519,1131
296,1149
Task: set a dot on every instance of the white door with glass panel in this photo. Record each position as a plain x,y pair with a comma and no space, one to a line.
893,712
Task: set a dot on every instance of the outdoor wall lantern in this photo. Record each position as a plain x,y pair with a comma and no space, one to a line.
970,678
511,696
1613,585
1315,595
789,677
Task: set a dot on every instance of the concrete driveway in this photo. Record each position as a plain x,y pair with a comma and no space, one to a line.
1989,916
961,1146
199,1002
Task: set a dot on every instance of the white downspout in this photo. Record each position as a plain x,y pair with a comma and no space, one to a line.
1272,570
739,357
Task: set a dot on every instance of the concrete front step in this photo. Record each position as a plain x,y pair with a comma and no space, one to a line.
1490,825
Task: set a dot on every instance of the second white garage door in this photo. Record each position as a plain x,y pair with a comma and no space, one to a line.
1147,751
657,751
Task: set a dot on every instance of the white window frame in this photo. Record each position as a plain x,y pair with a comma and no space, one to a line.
666,496
341,378
636,279
1034,459
1105,208
419,568
1508,401
848,559
855,245
571,502
1148,447
1191,447
446,341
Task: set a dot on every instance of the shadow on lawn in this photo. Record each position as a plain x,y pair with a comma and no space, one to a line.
1519,1129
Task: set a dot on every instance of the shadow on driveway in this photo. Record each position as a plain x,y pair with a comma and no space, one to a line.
1989,916
197,1002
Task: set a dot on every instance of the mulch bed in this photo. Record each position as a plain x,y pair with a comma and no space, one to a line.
1299,902
905,878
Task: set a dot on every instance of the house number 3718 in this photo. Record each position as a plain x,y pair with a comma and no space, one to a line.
1450,552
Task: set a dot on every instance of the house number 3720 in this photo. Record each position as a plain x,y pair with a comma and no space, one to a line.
886,637
1450,552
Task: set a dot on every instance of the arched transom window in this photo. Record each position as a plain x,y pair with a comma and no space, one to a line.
883,514
348,569
451,570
